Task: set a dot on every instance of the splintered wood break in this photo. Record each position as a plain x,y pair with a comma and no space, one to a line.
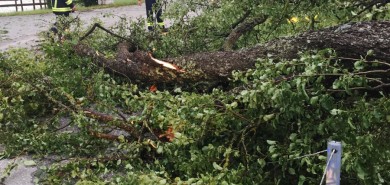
167,65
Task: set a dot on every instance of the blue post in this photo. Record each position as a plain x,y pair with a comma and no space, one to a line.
333,171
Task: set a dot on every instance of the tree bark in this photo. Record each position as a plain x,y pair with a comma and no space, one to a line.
349,41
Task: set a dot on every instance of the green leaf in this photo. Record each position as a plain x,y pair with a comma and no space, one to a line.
261,162
244,92
381,180
121,139
268,117
370,52
360,172
160,149
351,124
291,171
293,136
369,15
359,65
270,142
73,173
302,180
162,181
216,166
129,167
29,163
313,100
272,149
234,104
335,112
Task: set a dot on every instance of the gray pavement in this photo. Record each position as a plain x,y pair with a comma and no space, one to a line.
21,174
22,31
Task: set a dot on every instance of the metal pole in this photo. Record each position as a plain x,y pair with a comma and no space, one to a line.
333,171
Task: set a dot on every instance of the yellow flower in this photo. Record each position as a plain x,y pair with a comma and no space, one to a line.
293,20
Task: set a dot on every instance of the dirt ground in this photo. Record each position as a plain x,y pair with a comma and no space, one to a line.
22,31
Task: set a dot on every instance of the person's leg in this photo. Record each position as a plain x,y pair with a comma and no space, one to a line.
160,21
64,25
61,25
149,13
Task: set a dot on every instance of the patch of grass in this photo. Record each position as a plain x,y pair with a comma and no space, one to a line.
30,12
125,2
3,32
117,3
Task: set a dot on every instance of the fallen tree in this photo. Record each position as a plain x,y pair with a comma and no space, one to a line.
350,41
260,130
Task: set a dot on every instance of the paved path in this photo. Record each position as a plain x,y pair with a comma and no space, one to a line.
20,175
22,31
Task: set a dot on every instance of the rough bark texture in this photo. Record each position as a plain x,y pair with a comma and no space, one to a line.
349,41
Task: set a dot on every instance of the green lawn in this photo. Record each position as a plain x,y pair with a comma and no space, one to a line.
125,2
116,3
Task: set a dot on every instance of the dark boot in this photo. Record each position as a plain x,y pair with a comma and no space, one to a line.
150,26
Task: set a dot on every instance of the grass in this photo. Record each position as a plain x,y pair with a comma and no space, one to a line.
117,3
3,32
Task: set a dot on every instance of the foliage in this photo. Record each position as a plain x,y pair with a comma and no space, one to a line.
251,134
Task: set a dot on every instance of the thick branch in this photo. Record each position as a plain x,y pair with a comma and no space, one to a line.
349,41
97,25
241,29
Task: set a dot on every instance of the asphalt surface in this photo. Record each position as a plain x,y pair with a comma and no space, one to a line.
21,174
23,31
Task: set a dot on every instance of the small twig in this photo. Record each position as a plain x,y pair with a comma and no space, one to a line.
234,113
103,136
122,116
361,88
97,25
57,129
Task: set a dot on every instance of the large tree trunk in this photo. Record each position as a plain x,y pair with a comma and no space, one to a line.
349,41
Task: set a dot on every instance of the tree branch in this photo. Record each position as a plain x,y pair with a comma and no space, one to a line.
351,41
241,29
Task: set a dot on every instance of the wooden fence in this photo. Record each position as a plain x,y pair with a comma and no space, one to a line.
15,3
